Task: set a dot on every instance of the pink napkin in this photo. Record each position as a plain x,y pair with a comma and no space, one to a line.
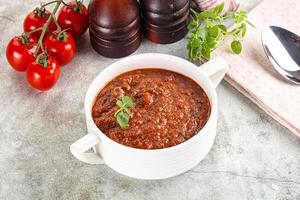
253,75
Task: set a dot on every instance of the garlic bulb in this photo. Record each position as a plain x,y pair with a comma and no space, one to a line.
201,5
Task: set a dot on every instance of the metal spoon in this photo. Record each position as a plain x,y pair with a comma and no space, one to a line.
283,50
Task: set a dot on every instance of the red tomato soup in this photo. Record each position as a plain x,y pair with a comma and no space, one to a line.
169,109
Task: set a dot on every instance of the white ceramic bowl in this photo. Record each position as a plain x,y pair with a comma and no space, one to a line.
151,164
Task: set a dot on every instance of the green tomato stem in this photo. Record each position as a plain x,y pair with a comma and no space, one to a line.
33,31
45,28
65,4
47,4
56,23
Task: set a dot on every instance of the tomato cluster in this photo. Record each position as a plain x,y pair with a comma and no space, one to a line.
47,43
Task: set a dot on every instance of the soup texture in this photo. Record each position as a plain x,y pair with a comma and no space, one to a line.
169,109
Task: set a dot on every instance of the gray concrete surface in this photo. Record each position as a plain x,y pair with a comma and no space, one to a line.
253,157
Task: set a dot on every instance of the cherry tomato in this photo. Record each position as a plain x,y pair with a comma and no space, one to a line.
19,52
61,46
74,19
43,77
36,19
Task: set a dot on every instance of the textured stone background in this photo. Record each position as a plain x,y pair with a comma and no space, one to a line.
253,157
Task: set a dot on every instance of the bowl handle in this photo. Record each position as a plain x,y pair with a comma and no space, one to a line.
215,69
85,143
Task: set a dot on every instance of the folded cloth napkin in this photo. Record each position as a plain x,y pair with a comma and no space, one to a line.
201,5
253,75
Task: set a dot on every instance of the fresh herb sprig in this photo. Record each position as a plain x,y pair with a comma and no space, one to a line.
123,114
207,32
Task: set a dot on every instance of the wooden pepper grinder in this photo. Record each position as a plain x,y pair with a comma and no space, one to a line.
114,27
165,21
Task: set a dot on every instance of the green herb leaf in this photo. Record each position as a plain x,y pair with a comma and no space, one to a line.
123,114
249,23
243,14
218,9
123,119
213,31
222,27
120,103
212,43
236,47
206,14
230,15
206,53
128,101
243,29
192,25
207,32
202,33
